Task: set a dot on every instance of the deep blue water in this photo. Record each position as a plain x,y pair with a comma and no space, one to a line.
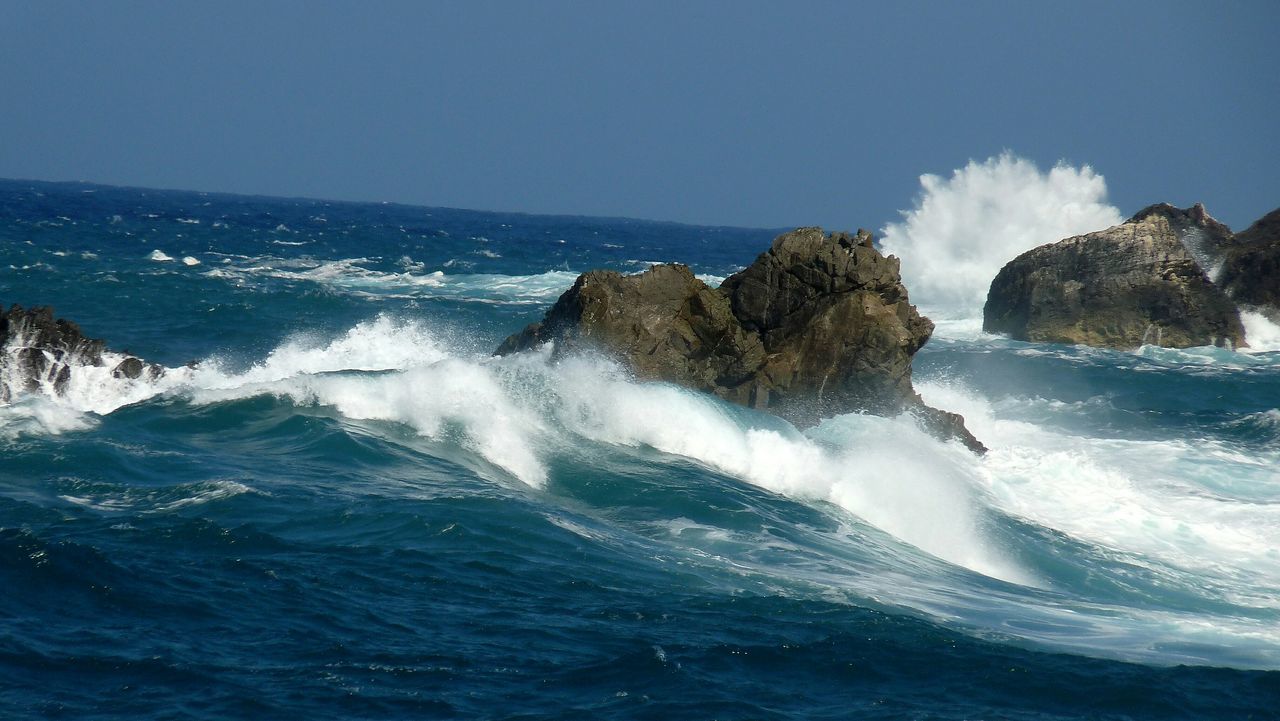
347,509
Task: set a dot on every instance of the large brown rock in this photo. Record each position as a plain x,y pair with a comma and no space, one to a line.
1140,282
818,325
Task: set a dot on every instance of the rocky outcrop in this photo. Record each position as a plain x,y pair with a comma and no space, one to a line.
818,325
1250,270
40,351
1143,281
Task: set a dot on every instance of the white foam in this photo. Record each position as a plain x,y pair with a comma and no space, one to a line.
37,416
963,229
381,344
189,260
451,398
516,412
93,388
384,343
1260,332
160,256
1172,506
146,500
883,470
437,395
1199,506
352,275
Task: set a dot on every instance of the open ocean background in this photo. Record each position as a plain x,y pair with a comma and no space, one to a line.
347,509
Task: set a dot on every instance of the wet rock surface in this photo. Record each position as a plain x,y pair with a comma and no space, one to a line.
818,325
1250,272
1141,282
38,350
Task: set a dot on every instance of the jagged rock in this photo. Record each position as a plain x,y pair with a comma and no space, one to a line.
37,349
1142,281
1250,271
665,322
817,325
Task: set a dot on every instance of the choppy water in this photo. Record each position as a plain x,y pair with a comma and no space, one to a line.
347,509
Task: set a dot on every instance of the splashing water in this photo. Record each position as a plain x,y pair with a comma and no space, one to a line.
963,229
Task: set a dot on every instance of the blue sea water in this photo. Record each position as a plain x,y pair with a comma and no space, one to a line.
345,508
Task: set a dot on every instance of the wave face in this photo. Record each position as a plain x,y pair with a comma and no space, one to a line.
346,508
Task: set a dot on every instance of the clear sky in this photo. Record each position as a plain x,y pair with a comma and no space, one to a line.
736,113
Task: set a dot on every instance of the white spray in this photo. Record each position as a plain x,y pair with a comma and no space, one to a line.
962,230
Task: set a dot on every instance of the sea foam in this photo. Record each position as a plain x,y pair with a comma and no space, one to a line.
1193,505
1262,334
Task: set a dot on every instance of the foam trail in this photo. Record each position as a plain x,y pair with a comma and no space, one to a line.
963,229
352,275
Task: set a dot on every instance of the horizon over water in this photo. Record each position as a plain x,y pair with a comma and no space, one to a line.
337,504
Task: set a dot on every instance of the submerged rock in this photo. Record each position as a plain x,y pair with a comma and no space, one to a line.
135,368
818,325
1140,282
38,350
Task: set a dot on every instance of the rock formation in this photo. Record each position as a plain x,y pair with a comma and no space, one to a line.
1142,281
818,325
37,350
1250,271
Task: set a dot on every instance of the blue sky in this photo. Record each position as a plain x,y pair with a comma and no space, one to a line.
736,113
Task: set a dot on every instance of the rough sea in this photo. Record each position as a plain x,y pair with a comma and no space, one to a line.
337,505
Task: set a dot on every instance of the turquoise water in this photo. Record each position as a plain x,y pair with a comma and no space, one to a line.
345,508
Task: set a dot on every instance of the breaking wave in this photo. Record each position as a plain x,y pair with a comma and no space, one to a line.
518,412
1112,504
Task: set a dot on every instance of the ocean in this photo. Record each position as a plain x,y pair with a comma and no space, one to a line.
336,504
